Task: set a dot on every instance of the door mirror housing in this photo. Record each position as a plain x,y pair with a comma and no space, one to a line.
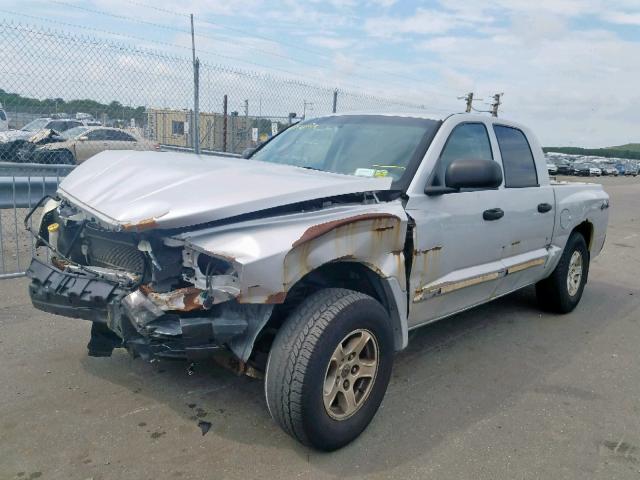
471,173
84,138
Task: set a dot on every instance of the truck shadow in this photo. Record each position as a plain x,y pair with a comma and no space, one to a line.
455,373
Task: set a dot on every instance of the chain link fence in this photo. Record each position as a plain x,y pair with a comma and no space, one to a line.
65,97
95,82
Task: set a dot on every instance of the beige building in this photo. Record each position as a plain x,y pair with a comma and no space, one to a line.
173,127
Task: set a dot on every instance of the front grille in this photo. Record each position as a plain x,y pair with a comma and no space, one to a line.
114,252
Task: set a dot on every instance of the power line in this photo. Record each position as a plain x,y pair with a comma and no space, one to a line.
124,47
167,27
287,44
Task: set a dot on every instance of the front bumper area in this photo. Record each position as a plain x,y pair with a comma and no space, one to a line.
120,321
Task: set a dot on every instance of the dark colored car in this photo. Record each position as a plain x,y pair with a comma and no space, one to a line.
564,167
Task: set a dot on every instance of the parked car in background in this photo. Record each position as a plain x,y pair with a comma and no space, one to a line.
621,168
17,145
31,128
310,269
587,170
631,169
610,170
564,167
552,168
84,142
4,120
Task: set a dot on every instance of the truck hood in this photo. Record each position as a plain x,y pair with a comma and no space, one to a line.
136,190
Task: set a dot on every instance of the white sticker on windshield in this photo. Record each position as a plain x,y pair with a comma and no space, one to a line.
365,172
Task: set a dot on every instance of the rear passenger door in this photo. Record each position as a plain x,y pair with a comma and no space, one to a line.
529,211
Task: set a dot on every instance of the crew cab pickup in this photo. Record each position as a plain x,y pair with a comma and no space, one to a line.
308,261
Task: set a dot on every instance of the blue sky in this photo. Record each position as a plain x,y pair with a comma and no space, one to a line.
568,68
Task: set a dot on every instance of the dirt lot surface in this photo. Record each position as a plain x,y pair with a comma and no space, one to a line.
500,392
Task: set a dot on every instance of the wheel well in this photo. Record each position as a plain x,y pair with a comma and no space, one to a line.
586,230
350,275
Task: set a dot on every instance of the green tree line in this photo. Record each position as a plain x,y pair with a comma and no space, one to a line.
49,106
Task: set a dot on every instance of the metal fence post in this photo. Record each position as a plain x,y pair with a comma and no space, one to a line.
196,106
224,124
335,100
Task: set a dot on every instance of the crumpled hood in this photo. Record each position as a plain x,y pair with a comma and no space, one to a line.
13,135
137,190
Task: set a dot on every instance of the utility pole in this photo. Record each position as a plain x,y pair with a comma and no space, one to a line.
196,93
496,103
469,99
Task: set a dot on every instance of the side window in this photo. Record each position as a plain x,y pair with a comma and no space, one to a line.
517,159
3,117
96,135
58,125
121,136
466,141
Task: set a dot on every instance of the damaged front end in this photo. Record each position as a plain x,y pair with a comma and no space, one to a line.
144,292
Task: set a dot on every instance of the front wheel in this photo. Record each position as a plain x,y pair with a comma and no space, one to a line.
329,368
562,290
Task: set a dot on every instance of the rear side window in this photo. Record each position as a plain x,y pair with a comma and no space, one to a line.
517,159
120,136
468,141
97,135
3,117
58,126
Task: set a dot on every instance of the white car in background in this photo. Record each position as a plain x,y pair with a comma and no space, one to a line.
4,120
30,129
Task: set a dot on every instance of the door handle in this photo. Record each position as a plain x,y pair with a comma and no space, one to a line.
493,214
544,207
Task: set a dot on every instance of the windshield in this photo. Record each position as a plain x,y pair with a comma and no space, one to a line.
364,145
74,132
36,125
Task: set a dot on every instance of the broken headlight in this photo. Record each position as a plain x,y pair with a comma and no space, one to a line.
216,275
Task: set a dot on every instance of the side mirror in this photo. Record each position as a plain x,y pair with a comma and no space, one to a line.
83,138
470,173
247,152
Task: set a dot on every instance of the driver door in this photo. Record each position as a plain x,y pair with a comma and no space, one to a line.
457,246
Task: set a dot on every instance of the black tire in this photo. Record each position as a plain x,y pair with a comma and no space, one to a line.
553,292
299,359
64,157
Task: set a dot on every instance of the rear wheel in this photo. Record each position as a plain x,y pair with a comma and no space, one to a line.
562,290
64,157
329,368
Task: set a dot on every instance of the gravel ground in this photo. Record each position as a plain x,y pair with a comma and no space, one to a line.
500,392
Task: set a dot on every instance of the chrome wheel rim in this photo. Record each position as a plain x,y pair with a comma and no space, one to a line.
350,375
574,276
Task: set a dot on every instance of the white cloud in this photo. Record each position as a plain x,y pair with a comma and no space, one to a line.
331,43
622,18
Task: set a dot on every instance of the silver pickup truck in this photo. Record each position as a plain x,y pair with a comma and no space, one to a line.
309,260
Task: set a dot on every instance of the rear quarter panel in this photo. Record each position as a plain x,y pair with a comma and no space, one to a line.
575,204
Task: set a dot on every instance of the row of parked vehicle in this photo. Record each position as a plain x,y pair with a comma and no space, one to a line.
66,141
592,169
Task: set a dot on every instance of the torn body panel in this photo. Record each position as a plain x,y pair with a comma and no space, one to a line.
271,254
